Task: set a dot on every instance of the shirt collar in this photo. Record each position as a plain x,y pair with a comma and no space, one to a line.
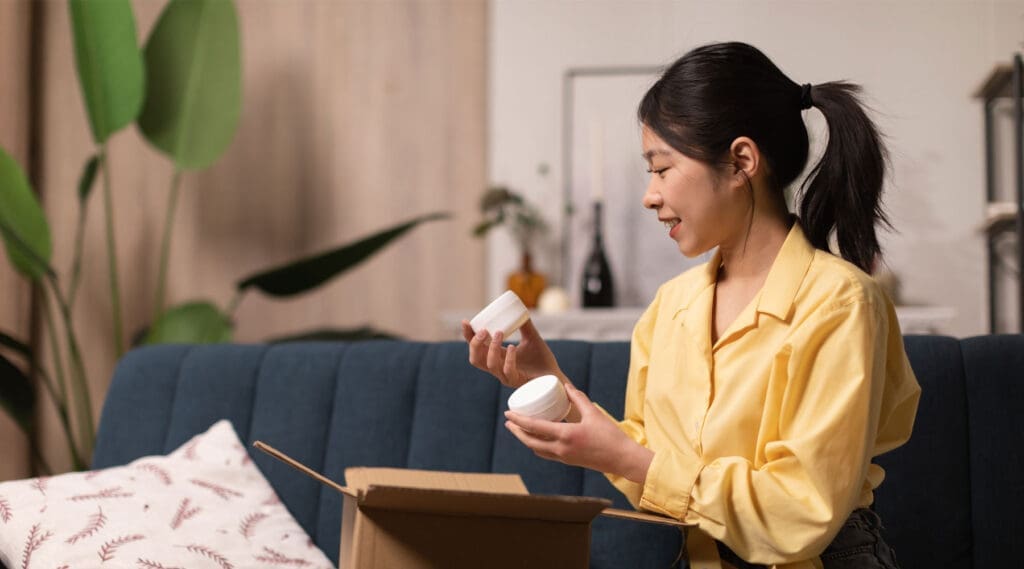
786,275
783,281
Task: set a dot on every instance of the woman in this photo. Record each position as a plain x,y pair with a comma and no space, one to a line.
763,383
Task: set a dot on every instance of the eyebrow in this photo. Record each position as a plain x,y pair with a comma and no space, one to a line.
654,152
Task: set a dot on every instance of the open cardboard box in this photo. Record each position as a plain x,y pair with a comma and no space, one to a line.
416,519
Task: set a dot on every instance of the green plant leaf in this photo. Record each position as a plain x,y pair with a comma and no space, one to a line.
109,63
193,73
305,274
483,227
191,323
22,348
22,223
336,335
16,394
88,177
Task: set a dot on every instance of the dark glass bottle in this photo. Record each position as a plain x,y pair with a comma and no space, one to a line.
598,288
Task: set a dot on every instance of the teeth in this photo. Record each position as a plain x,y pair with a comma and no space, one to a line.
670,224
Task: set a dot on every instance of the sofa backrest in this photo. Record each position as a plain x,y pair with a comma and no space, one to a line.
951,498
331,406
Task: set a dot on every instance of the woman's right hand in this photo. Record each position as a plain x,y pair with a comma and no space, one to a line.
513,365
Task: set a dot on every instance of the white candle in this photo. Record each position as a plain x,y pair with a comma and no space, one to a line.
597,160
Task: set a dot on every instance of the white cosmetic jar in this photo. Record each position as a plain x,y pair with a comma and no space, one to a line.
506,313
541,398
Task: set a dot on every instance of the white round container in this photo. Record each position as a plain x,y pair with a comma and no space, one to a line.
541,398
553,300
506,313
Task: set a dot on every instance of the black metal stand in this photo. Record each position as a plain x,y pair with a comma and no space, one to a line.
1005,81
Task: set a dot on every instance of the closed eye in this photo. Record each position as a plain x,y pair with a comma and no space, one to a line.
660,172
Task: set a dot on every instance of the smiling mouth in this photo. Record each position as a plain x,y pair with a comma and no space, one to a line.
669,224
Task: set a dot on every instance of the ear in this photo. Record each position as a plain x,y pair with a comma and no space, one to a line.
746,156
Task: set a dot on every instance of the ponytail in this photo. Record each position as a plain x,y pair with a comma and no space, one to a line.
843,191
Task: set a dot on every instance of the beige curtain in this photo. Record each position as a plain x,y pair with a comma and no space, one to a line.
15,294
356,116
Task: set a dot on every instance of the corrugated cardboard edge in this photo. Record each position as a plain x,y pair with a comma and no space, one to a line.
642,517
444,502
303,468
505,482
362,477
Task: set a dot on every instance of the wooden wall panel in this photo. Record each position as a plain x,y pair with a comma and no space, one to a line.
15,293
356,116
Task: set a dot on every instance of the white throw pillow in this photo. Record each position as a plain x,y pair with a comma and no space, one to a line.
204,505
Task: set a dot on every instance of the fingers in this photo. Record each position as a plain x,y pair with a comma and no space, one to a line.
496,357
478,349
510,370
540,446
467,331
579,400
538,428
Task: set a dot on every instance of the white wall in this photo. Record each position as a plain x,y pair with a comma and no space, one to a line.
919,62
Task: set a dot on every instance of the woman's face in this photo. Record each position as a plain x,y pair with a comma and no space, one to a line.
697,203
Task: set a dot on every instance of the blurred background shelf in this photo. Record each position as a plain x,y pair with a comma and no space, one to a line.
616,324
1003,226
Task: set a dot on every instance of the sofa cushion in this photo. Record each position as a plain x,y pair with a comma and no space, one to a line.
333,406
377,404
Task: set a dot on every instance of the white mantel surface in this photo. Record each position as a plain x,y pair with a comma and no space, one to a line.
616,324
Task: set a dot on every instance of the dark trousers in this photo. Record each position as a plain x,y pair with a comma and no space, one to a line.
858,545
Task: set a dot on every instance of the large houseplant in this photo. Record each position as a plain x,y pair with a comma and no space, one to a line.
183,92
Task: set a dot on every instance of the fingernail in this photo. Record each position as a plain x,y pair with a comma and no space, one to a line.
481,334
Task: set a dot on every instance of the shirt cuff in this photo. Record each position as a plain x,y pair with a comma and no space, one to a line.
669,483
631,490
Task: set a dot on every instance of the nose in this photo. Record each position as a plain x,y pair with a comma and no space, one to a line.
652,197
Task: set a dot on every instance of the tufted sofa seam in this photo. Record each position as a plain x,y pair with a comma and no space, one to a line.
341,353
415,401
174,398
255,389
967,424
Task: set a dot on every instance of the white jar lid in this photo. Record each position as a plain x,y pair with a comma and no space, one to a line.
506,313
541,398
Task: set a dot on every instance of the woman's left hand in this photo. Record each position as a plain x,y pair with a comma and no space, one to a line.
594,442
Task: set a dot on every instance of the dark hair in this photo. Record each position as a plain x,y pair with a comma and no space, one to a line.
719,92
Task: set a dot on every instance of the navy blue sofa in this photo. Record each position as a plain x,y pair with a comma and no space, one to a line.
953,497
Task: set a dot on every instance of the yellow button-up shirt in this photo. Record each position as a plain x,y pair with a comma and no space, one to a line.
764,439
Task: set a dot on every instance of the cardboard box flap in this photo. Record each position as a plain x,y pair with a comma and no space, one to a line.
465,503
302,468
642,517
361,478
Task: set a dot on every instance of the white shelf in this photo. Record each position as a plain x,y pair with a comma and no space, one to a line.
616,324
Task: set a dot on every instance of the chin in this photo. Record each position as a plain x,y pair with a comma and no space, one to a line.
690,250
